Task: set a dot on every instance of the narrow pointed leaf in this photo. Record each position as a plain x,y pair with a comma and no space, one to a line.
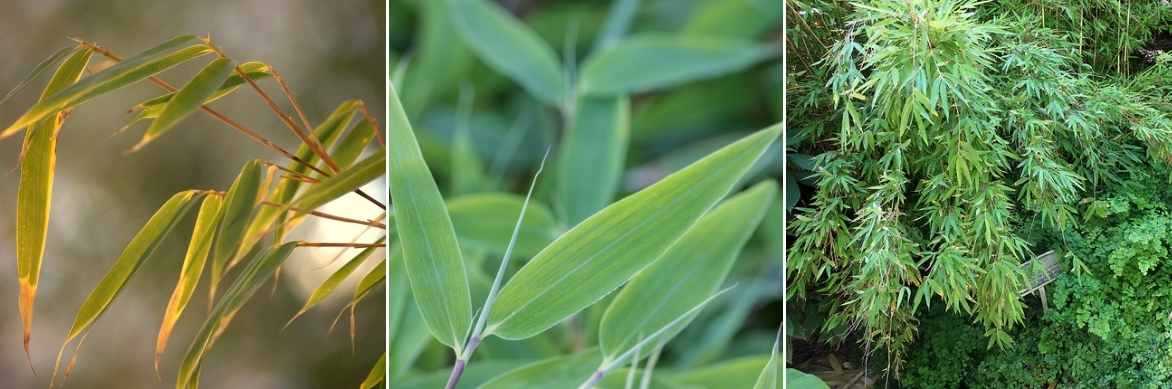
405,327
565,371
193,264
797,379
592,156
468,173
151,108
136,252
649,62
345,182
238,208
35,191
137,68
618,21
485,221
474,375
737,373
690,271
350,147
509,47
434,263
607,249
188,99
41,68
327,287
377,373
438,63
770,377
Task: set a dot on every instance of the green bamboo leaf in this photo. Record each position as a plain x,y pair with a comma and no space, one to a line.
239,204
797,379
335,279
649,62
485,221
188,99
468,173
405,327
350,147
737,373
148,63
592,156
259,267
136,252
372,278
435,267
344,182
688,273
509,47
377,373
618,21
35,190
565,371
604,251
255,70
193,264
439,61
473,377
44,65
770,377
741,18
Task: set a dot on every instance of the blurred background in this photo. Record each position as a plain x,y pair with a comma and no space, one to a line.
327,51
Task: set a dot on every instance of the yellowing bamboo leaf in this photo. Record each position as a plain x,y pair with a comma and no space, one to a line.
344,182
434,263
648,62
485,221
565,371
35,191
151,108
335,279
592,155
689,272
136,252
377,373
259,267
193,264
41,67
607,249
238,208
510,47
188,99
148,63
350,147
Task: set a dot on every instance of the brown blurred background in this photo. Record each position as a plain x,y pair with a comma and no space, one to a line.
328,51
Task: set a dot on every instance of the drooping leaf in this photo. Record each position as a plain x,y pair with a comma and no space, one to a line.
592,155
485,221
41,67
509,47
148,63
327,287
255,70
188,99
649,62
565,371
189,274
260,265
344,182
434,263
377,373
604,251
689,272
136,252
239,204
35,189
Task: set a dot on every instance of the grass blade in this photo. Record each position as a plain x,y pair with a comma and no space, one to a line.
344,182
35,190
189,274
558,372
604,251
592,156
188,99
377,373
239,204
434,263
148,63
770,377
335,279
649,62
510,47
690,271
484,221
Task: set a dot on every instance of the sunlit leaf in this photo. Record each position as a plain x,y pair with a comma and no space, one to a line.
188,99
377,373
239,204
344,182
327,287
193,265
350,147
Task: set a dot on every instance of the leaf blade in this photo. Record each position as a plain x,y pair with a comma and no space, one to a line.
194,260
485,221
649,62
592,155
188,99
238,207
510,47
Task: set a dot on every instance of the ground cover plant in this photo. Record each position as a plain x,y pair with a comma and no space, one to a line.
943,144
240,234
586,195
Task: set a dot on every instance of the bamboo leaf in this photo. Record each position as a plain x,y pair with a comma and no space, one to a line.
188,99
737,373
435,266
136,252
485,221
350,147
405,327
335,279
44,65
255,70
592,155
259,267
565,371
648,62
688,273
35,190
797,379
344,182
377,373
618,21
189,274
604,251
148,63
770,377
238,208
474,375
439,61
509,47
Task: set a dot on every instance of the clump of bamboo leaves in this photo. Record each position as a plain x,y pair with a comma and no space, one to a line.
240,235
636,270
